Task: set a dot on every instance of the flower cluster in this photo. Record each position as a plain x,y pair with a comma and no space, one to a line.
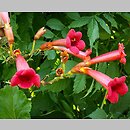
73,44
26,77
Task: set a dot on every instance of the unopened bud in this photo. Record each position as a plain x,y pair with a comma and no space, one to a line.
17,52
9,34
39,33
64,56
5,17
59,72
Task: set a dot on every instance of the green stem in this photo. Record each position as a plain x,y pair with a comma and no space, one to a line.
63,67
103,102
11,49
33,46
68,75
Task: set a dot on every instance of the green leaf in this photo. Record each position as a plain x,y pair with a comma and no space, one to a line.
79,83
55,24
41,103
125,15
111,20
25,30
122,105
64,32
14,104
103,34
127,65
49,34
80,22
73,15
93,31
51,54
102,67
103,24
46,67
69,65
113,70
8,71
14,26
98,114
57,86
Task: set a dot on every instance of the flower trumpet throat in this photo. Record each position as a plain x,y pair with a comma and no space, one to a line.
25,77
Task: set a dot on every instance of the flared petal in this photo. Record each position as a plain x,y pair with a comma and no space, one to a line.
36,80
80,45
68,42
122,90
25,84
78,36
123,60
15,80
118,85
71,33
113,97
74,49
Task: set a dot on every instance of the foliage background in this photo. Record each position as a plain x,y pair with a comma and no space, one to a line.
77,97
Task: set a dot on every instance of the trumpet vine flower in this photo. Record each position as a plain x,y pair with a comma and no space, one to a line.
115,87
25,77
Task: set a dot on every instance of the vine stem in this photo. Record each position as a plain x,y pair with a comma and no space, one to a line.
68,75
11,49
33,46
63,67
104,99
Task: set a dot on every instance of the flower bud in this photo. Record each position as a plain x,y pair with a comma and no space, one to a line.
5,17
9,34
64,56
59,72
40,32
17,52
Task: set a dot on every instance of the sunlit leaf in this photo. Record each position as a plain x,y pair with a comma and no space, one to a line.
55,24
79,83
103,24
80,22
111,20
93,31
98,114
14,104
73,15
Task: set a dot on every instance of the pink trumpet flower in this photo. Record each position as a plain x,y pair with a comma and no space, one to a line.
74,42
5,17
25,77
110,56
114,86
